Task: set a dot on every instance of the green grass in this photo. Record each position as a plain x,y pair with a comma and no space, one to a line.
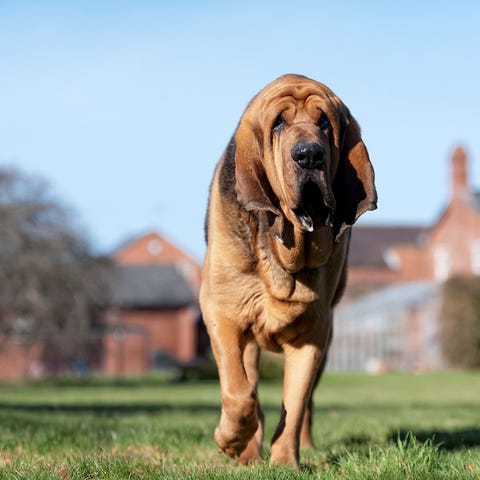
396,426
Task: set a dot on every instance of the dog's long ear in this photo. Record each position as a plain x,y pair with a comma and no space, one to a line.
252,186
353,186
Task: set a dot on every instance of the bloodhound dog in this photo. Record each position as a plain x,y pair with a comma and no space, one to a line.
292,181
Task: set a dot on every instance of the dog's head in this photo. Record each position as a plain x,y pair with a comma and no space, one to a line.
298,153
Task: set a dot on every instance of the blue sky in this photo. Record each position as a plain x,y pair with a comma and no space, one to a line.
126,106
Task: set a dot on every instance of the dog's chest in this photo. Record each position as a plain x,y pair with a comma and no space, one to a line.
303,250
277,319
283,301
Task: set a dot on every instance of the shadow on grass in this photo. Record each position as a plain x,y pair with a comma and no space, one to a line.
269,408
448,440
110,409
122,408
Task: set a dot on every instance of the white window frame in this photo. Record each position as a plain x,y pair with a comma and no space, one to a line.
475,256
441,262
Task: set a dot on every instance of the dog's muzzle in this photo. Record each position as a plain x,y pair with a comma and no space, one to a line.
315,201
309,155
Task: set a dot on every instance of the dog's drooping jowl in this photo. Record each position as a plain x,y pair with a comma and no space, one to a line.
294,178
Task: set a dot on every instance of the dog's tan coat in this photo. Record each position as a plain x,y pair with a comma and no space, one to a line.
276,255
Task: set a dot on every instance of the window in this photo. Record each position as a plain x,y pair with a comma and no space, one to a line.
185,269
155,247
441,262
392,259
475,256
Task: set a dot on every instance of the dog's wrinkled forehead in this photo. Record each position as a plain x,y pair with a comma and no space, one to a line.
296,86
291,94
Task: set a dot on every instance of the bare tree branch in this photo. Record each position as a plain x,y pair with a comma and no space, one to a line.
51,285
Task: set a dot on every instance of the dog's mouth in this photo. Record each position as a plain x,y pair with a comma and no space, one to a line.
316,205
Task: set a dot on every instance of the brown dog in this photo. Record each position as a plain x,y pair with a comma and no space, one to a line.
295,176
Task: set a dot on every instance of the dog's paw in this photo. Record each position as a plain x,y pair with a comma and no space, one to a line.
233,437
252,453
284,455
229,445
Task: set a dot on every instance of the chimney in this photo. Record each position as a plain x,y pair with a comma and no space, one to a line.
459,173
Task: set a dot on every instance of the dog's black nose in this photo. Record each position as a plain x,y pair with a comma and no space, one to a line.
309,155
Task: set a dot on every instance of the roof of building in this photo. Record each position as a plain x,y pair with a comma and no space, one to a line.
150,286
158,241
369,243
473,199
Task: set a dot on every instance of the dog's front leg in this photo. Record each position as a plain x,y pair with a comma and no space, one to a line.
239,419
253,451
306,439
301,367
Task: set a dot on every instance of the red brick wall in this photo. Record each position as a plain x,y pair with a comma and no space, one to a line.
125,353
20,360
137,335
160,326
414,263
362,279
458,228
379,275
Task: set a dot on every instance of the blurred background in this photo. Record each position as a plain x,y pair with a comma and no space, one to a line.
114,114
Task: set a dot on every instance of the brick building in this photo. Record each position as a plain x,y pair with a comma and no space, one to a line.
386,255
154,318
389,318
20,358
154,249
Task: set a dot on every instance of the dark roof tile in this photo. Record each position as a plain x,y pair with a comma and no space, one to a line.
369,243
149,286
474,200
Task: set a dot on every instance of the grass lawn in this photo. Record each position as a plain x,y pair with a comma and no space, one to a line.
392,426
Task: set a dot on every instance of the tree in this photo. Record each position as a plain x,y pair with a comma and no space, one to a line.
460,322
51,285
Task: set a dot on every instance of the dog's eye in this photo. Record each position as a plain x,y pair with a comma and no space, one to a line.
278,123
323,123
